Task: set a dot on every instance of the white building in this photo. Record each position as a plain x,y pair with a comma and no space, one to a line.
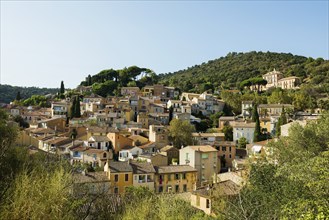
59,109
246,109
130,152
243,129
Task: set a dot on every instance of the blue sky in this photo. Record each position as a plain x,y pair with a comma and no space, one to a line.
44,42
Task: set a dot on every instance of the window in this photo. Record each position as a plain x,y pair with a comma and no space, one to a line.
141,178
160,188
176,176
183,176
230,149
116,177
126,177
177,188
204,156
104,155
230,156
207,203
185,188
223,148
169,177
116,190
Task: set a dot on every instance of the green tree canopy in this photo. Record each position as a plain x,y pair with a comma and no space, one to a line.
180,132
228,132
242,142
105,89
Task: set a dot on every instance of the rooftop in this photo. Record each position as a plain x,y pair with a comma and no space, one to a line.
142,167
244,125
196,134
91,177
274,105
202,148
227,118
168,147
100,138
227,188
175,169
288,78
118,167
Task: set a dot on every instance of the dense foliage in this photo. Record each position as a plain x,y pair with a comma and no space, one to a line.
109,82
180,133
292,183
9,93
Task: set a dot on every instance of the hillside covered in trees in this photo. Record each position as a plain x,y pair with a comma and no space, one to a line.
8,93
109,81
229,71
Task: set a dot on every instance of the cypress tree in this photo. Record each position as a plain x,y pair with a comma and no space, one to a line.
77,107
18,96
278,127
283,117
72,109
281,121
89,82
171,112
62,89
255,118
254,114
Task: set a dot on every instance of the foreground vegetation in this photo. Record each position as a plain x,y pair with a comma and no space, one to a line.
290,184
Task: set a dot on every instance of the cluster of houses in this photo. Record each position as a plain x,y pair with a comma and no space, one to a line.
126,140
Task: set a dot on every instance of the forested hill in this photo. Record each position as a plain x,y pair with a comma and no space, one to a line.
8,93
227,72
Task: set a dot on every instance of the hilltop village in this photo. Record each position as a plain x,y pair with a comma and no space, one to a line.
151,137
